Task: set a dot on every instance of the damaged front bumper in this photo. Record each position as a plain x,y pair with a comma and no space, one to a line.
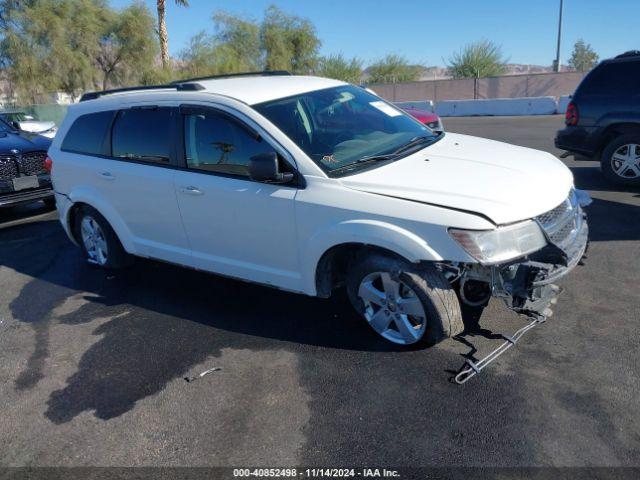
527,285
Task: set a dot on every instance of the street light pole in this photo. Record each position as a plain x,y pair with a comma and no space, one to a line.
556,65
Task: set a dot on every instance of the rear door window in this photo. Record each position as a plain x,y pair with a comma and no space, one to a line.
88,133
143,134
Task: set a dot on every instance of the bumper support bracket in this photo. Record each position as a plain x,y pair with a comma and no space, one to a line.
474,368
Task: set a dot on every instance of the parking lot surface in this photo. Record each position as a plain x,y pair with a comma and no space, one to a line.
93,365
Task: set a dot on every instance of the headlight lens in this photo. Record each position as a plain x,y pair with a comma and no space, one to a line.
501,244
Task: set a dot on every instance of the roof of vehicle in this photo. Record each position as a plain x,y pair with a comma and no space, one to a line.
258,89
630,53
248,88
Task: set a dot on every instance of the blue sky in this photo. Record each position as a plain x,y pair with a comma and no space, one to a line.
427,31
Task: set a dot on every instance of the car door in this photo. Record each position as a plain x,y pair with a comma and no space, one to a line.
235,226
138,181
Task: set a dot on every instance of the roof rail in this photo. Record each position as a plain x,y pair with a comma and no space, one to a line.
630,53
176,86
265,73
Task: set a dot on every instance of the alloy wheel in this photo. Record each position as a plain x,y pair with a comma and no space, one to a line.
392,308
94,240
625,161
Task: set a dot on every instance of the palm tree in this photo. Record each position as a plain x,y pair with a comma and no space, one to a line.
162,29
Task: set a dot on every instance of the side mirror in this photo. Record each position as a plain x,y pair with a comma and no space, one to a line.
264,168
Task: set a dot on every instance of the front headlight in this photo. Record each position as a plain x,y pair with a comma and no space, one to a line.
501,244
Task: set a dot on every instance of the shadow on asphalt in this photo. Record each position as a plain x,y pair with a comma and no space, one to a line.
23,212
608,220
156,321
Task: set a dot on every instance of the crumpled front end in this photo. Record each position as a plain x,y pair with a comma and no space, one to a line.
527,285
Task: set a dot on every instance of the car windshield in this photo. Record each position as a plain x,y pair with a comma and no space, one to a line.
5,127
17,117
346,128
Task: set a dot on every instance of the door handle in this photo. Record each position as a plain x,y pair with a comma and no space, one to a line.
191,190
107,175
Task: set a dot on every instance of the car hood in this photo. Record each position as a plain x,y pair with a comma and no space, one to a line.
503,182
23,142
36,126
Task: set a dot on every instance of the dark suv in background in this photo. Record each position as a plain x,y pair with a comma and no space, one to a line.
603,119
24,167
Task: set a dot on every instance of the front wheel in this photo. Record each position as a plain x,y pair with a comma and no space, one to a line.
620,160
404,303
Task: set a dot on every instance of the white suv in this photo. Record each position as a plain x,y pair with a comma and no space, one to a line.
308,184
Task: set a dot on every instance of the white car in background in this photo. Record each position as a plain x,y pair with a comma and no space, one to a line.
29,123
309,184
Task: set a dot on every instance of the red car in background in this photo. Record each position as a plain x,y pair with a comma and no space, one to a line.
430,119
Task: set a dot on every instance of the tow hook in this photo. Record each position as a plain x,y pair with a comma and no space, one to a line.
474,368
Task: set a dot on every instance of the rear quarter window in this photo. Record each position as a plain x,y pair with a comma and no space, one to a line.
614,78
88,133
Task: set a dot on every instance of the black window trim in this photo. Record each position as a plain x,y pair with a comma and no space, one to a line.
191,108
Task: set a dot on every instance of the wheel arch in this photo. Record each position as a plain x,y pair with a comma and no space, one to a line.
117,224
330,253
616,130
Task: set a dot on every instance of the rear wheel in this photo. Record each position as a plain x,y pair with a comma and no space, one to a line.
98,241
402,302
621,160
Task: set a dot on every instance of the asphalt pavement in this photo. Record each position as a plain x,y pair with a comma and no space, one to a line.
93,365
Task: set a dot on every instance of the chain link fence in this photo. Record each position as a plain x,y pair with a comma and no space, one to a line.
45,112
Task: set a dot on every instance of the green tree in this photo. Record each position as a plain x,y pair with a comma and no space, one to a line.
289,42
393,68
198,59
127,49
237,44
583,58
479,59
163,35
48,45
340,68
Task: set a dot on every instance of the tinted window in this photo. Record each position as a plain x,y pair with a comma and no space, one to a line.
620,78
215,143
87,133
142,134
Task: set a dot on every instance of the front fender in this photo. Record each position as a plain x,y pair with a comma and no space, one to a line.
93,198
368,232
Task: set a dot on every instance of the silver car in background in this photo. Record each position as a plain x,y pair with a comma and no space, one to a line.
29,123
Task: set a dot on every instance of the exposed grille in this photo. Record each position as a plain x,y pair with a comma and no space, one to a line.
32,163
562,224
8,167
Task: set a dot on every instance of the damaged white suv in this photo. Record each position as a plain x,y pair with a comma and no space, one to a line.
308,184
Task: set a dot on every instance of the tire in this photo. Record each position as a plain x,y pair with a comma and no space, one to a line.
438,299
607,162
116,257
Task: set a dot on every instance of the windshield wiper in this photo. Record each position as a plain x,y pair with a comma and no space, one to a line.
364,160
387,156
413,142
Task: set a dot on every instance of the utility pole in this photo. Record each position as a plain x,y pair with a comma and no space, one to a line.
556,63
